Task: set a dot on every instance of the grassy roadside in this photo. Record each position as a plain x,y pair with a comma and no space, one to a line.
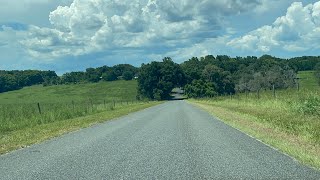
291,133
30,135
288,122
35,105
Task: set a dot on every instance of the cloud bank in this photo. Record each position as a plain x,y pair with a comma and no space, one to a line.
88,26
83,33
298,30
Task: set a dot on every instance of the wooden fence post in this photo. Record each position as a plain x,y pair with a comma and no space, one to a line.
39,108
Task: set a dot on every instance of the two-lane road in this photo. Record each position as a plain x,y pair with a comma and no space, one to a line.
174,140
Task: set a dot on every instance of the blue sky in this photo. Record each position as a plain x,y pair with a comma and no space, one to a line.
72,35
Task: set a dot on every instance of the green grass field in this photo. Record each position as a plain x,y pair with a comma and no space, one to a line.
63,108
20,109
98,92
289,122
308,81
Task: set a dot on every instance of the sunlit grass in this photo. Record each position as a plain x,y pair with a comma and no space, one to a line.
109,91
30,134
308,80
290,121
42,105
36,113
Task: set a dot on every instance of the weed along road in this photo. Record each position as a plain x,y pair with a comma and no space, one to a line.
174,140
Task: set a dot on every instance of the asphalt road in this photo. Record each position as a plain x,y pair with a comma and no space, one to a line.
173,140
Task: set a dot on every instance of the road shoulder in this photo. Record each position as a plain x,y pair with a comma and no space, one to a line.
20,139
294,146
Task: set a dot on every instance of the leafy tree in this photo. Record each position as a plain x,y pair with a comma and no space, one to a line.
157,79
109,76
192,69
274,77
13,80
243,84
257,83
122,68
200,88
220,78
92,75
103,69
8,82
73,77
288,77
128,75
304,63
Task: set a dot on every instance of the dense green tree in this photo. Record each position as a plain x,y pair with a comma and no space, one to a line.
157,79
128,75
192,69
13,80
92,75
8,82
122,68
304,63
214,81
73,78
109,75
103,69
199,89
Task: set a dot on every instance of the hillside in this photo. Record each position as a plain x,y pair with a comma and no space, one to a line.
109,91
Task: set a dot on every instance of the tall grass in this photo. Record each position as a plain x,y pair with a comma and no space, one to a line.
292,111
289,121
19,109
19,116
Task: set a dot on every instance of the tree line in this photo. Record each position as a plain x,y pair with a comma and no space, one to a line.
104,73
200,77
221,75
14,80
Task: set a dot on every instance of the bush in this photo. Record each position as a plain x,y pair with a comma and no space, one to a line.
309,105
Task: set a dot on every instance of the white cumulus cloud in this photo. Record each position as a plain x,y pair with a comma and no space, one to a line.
88,26
298,30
